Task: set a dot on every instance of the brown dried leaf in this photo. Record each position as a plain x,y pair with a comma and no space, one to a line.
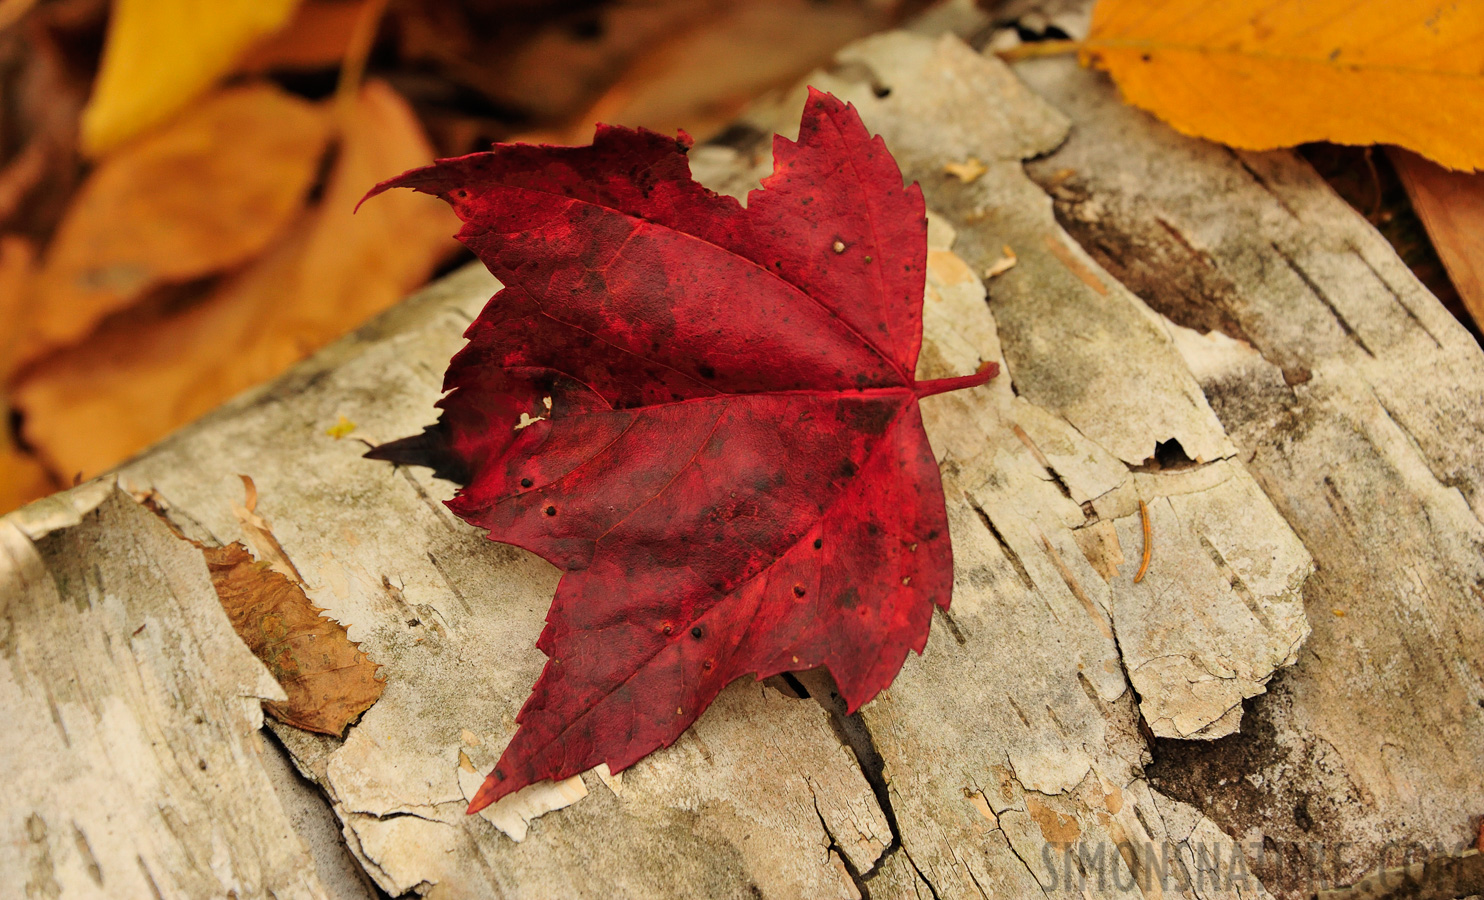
700,75
205,194
1451,207
128,385
317,37
45,94
329,681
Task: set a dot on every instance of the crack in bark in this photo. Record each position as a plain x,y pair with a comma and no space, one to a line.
1395,295
852,732
839,852
1020,569
1323,298
1462,486
1028,869
1263,183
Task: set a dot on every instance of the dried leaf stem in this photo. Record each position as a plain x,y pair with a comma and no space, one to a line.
357,51
1148,542
1038,49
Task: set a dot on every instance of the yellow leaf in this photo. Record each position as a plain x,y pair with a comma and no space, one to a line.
161,54
1259,74
141,375
207,193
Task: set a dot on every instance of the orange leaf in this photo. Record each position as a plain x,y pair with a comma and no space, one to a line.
206,194
17,265
1259,74
22,479
91,406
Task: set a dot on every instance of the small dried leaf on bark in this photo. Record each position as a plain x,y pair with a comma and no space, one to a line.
330,682
161,54
142,375
208,193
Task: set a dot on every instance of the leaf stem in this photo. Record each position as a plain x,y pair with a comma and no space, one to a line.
942,385
1038,49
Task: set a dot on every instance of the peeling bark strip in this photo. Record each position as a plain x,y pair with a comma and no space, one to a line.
1011,759
133,760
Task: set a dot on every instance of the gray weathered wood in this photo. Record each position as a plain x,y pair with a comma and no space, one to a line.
1357,401
133,758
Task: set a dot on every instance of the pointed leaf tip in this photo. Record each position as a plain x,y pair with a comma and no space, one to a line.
488,793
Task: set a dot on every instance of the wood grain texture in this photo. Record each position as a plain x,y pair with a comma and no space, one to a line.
1357,402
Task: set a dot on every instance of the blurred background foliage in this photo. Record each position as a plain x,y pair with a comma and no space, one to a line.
177,177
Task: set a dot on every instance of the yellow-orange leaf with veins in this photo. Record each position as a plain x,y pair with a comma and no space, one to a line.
145,373
328,680
205,194
1260,74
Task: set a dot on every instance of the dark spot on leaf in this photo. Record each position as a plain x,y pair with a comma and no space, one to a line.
869,418
526,482
846,469
696,632
706,371
551,510
799,590
873,529
818,542
848,598
500,775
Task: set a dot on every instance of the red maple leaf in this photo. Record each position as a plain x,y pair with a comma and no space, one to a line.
727,458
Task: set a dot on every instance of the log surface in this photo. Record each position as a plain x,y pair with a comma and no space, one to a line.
1205,342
